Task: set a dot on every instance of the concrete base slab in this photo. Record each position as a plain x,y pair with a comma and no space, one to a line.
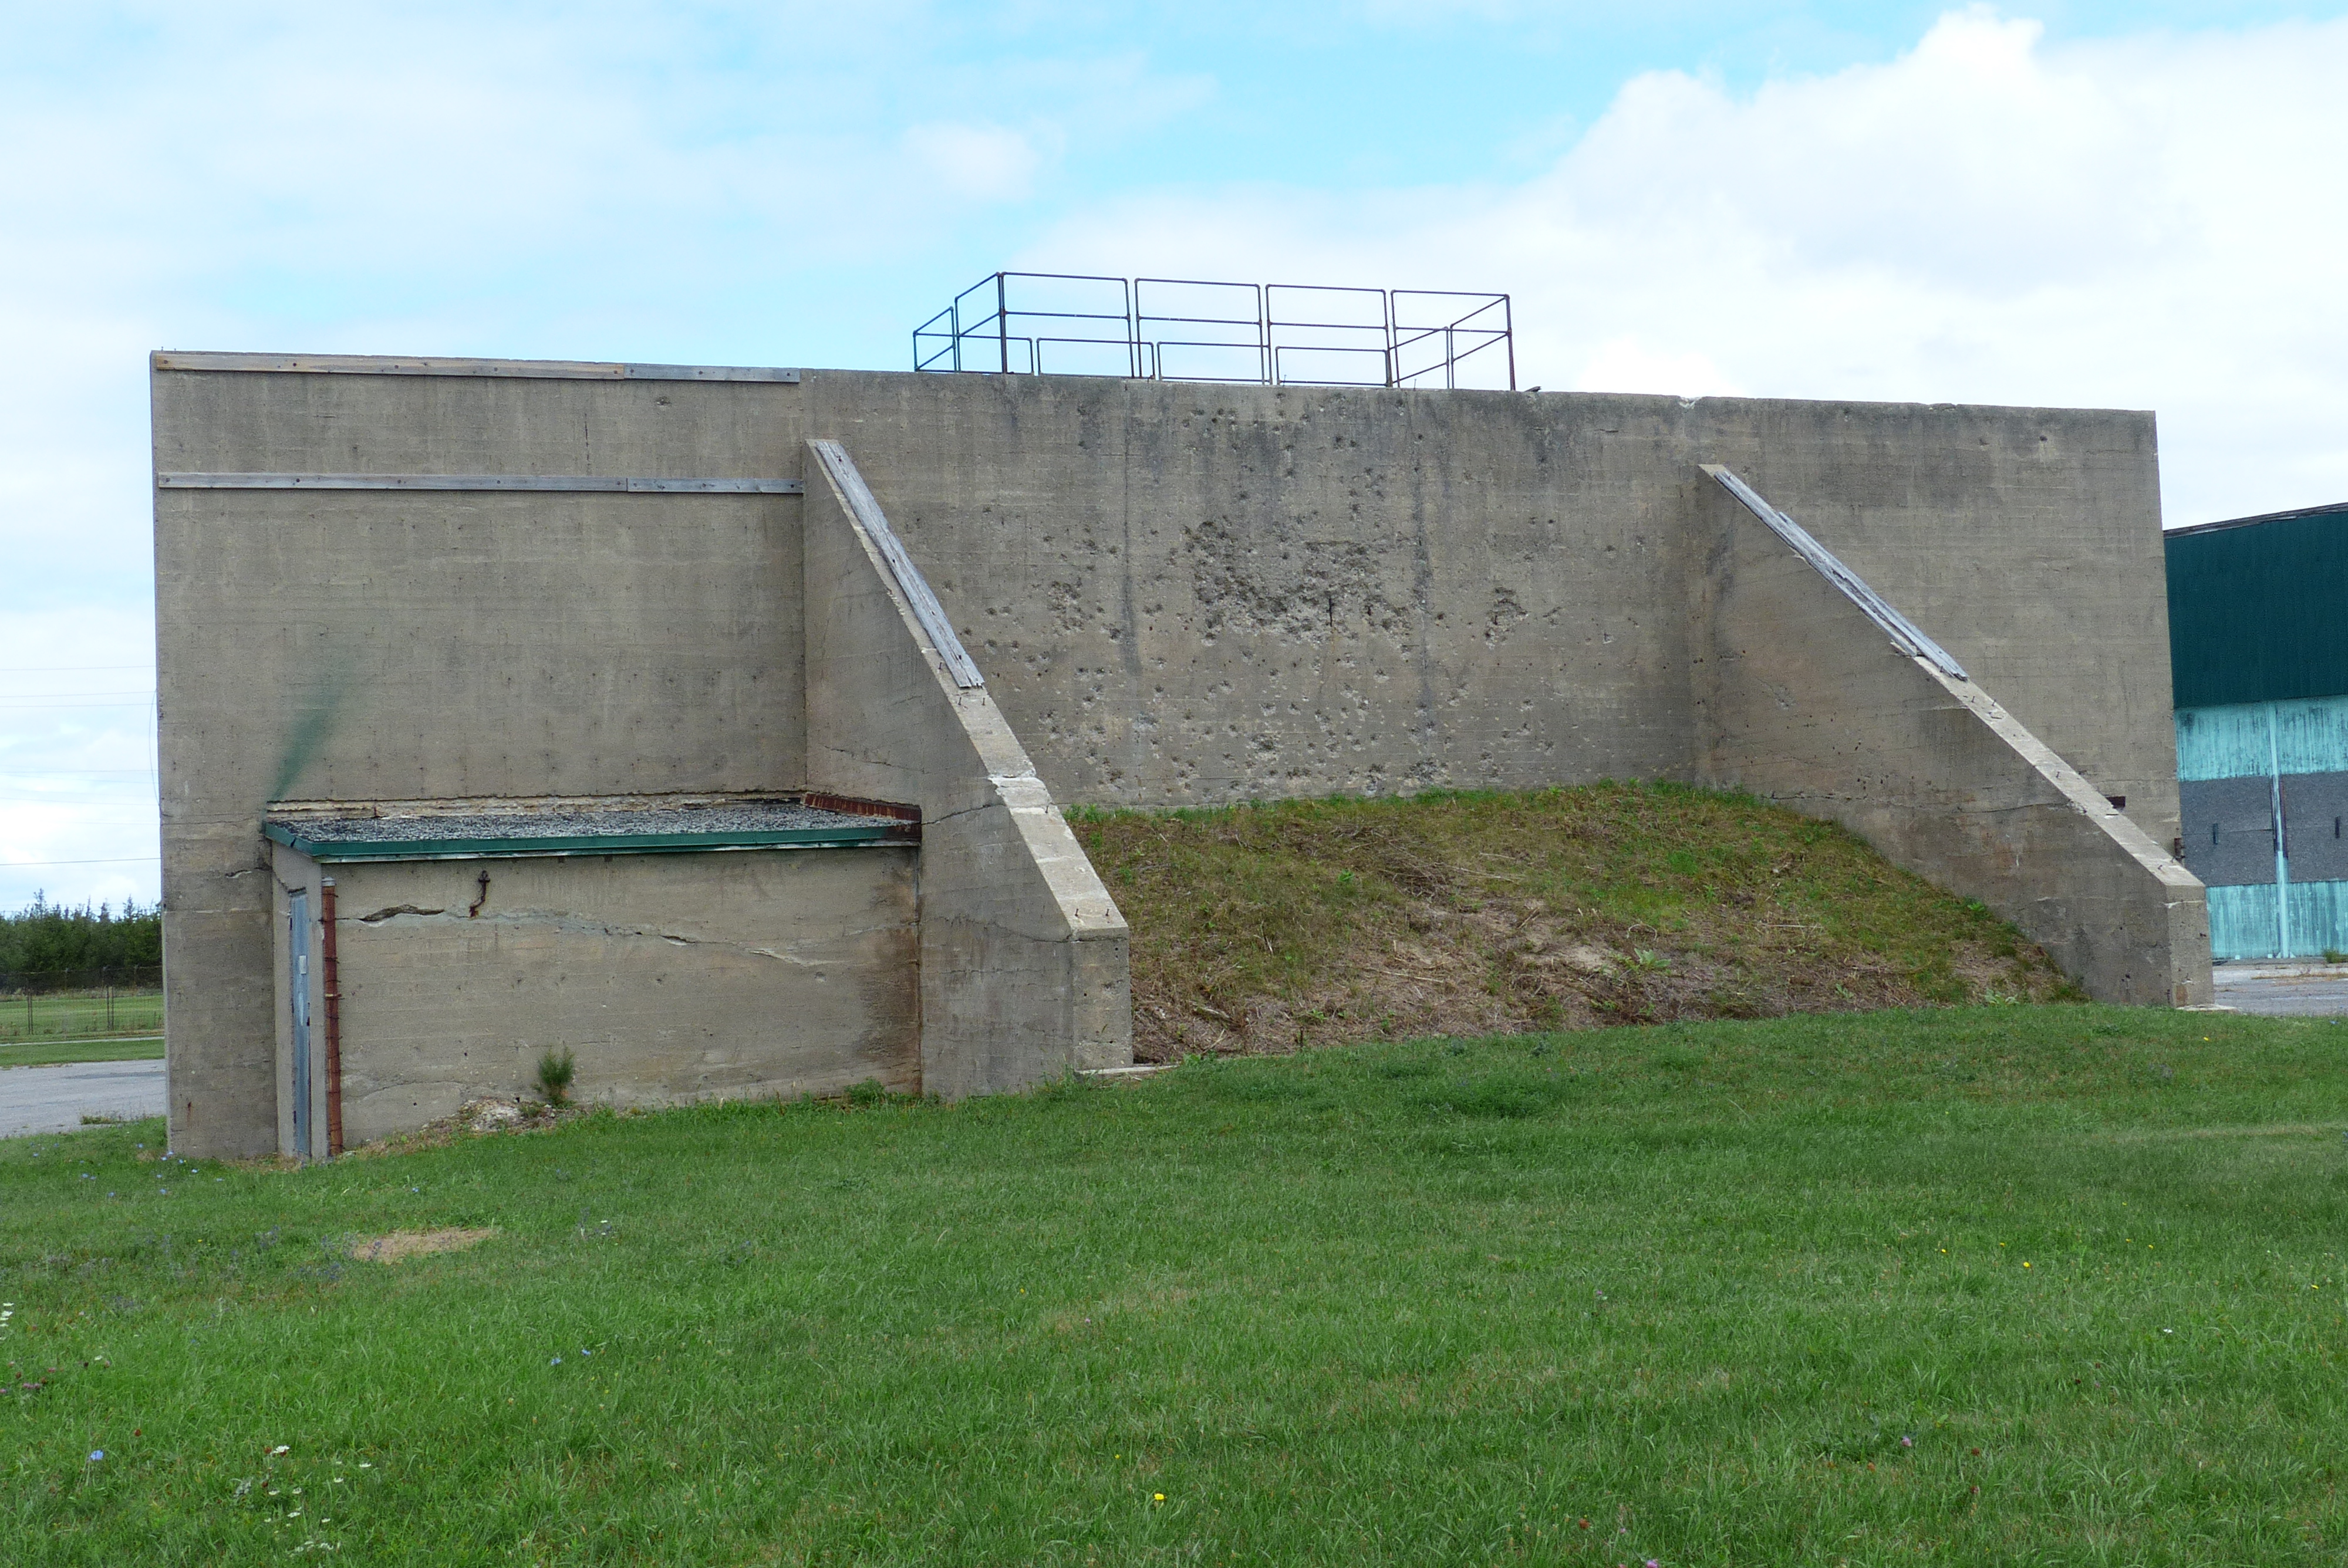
54,1099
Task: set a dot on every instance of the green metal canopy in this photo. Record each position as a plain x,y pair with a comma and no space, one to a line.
472,836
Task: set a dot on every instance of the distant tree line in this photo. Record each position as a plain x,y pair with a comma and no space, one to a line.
43,937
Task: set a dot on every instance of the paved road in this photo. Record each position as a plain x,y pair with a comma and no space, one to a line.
54,1099
2285,991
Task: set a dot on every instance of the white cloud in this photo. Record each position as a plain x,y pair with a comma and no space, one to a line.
2146,223
77,781
978,162
1628,364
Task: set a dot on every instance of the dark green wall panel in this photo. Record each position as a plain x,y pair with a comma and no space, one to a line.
2258,610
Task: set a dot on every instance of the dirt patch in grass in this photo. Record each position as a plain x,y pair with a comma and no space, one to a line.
1274,927
477,1119
395,1247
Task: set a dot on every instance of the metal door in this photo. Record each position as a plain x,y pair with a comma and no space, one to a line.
297,919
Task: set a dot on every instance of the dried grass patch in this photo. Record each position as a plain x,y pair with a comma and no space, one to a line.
396,1246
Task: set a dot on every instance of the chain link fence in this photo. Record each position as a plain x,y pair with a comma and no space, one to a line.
80,1004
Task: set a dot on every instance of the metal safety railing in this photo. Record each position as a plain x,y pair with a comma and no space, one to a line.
1188,329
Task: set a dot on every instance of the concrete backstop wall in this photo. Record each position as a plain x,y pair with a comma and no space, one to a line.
1177,593
1183,592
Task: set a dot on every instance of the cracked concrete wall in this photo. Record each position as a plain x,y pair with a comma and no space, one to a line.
673,978
1025,960
1800,697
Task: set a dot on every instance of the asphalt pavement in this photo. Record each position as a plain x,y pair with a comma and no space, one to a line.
55,1099
2285,991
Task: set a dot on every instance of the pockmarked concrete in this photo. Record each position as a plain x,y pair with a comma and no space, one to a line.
2285,991
54,1099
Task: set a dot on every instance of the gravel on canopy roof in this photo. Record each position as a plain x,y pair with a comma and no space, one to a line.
717,821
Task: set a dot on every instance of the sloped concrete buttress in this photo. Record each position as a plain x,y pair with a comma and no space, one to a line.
1803,699
1025,959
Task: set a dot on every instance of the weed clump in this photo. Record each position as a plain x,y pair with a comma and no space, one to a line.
556,1070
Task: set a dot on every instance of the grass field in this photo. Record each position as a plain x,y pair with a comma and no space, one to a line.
2001,1284
45,1052
79,1016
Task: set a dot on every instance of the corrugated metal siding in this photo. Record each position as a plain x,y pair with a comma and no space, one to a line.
2312,737
2230,742
2234,764
2254,740
2247,922
2244,923
2255,609
2319,918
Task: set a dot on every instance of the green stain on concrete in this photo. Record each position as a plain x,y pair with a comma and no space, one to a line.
316,722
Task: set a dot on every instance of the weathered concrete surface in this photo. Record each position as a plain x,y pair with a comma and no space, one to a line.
1390,577
54,1099
673,978
1184,593
1025,959
1800,697
370,645
1179,593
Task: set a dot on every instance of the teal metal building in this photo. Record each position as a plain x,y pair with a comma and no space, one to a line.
2258,628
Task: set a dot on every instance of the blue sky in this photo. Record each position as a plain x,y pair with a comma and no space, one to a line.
2056,204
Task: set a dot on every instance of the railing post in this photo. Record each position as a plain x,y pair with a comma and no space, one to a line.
1001,322
1271,340
1263,334
1509,332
